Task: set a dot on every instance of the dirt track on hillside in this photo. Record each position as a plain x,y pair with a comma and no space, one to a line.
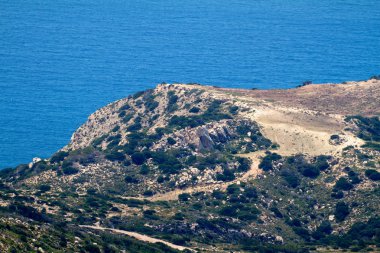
138,236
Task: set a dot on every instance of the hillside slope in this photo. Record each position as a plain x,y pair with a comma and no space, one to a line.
200,168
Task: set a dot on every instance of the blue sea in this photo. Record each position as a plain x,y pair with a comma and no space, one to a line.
62,60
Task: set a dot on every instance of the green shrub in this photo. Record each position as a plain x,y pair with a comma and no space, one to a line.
291,178
127,118
212,113
138,158
302,232
227,175
184,197
325,227
150,103
372,145
27,211
230,210
276,212
115,156
179,216
218,194
135,127
92,248
172,101
266,162
322,230
130,179
341,211
44,188
99,140
250,193
233,189
372,174
309,170
171,141
233,109
194,110
69,170
122,114
160,179
337,195
125,107
294,223
197,206
354,178
167,162
360,235
369,128
343,184
59,156
240,211
144,170
150,214
244,164
321,162
148,193
138,94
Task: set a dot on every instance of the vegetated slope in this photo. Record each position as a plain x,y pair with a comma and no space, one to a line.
209,169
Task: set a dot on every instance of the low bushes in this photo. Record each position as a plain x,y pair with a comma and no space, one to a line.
115,156
212,113
240,211
184,197
369,128
138,158
372,174
266,162
291,178
227,175
69,170
59,156
342,210
172,102
343,184
44,188
194,110
167,162
171,141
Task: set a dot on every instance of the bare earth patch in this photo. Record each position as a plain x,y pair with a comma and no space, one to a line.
139,237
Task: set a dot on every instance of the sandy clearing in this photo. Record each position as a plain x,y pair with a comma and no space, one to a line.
139,237
303,131
302,120
296,130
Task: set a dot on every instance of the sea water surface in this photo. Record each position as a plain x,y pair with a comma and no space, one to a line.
62,60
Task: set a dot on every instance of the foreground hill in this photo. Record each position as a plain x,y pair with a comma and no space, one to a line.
185,167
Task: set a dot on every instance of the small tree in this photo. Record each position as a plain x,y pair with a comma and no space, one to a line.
138,158
184,197
341,211
372,174
343,184
44,188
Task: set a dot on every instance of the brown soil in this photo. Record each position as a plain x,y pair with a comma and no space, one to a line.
351,98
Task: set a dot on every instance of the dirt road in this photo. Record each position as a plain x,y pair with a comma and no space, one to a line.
139,237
